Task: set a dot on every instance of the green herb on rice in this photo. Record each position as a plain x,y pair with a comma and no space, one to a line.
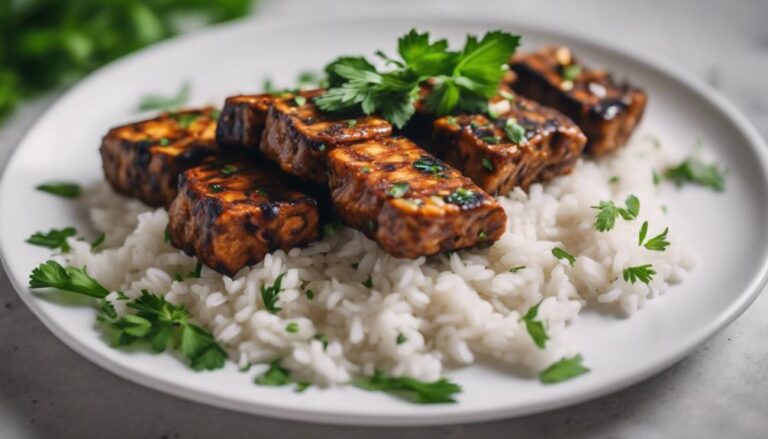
437,392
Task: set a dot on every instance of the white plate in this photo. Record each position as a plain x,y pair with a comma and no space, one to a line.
728,231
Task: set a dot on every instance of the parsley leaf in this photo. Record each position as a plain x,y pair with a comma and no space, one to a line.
397,190
643,232
694,171
53,239
658,243
166,103
642,273
52,275
514,131
62,189
441,391
429,165
562,254
276,375
463,80
535,327
563,370
98,241
608,211
270,295
516,269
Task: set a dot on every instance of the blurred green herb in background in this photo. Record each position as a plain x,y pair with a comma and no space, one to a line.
47,43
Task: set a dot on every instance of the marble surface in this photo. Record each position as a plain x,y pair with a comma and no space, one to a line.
46,390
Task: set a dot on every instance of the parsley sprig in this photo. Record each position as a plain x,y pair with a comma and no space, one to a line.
658,243
643,273
463,79
437,392
607,212
62,189
535,328
156,321
270,294
53,239
562,370
692,170
559,253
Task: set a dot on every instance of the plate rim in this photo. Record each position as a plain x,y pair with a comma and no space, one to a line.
655,63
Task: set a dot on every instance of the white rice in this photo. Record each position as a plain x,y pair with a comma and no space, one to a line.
452,310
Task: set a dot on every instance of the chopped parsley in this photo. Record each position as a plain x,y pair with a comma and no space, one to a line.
292,328
462,197
164,141
694,171
397,190
562,254
156,321
642,273
310,294
185,119
468,78
167,234
276,375
228,170
608,212
365,169
643,233
451,121
614,179
351,123
330,229
482,236
371,225
166,103
368,282
270,295
571,72
487,164
62,189
401,338
321,147
53,239
492,140
216,188
441,391
300,100
535,328
659,242
514,131
516,269
429,165
98,241
563,370
656,178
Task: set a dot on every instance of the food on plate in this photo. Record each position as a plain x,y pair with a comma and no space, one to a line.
408,201
144,159
519,143
298,136
231,213
607,110
244,116
433,272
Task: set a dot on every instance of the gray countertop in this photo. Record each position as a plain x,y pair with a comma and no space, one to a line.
46,390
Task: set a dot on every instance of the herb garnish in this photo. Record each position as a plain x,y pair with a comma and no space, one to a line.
429,165
514,131
292,328
300,100
270,295
608,211
276,375
463,80
397,190
368,282
351,123
491,140
461,197
156,321
228,170
62,189
571,72
658,243
98,241
53,239
563,370
535,328
401,338
516,269
166,103
562,254
694,171
216,188
441,391
487,164
642,273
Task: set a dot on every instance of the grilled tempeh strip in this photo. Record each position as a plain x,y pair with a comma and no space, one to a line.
408,201
143,159
606,111
299,137
243,118
547,144
231,213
